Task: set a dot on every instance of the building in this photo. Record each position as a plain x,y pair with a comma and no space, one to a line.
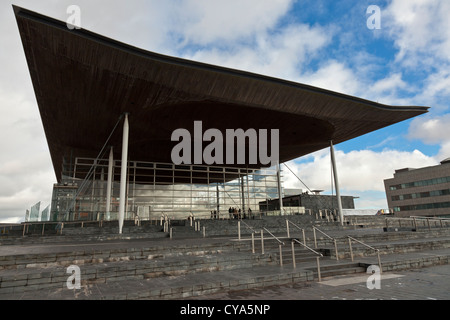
420,192
307,201
109,111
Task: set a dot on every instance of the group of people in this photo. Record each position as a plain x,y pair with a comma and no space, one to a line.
235,213
214,215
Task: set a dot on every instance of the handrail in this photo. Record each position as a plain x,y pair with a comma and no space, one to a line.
302,230
364,244
331,238
248,226
295,225
414,220
310,249
431,218
318,256
279,241
326,235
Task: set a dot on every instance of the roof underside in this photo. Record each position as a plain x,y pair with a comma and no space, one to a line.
83,82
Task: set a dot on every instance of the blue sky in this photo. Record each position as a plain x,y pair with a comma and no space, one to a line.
321,43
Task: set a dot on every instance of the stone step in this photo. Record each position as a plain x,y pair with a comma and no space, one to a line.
169,270
398,247
339,269
37,278
409,244
183,232
172,287
116,280
65,256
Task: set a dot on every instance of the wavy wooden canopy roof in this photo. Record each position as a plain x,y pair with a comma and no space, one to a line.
83,82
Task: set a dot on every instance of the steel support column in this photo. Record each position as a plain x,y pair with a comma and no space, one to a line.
336,182
123,173
109,185
280,194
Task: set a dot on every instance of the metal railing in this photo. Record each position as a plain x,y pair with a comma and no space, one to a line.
413,220
288,223
280,243
318,256
326,235
441,221
247,226
253,231
350,239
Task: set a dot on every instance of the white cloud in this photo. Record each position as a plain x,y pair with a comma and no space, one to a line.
436,89
420,29
361,170
389,84
279,54
204,22
433,130
334,76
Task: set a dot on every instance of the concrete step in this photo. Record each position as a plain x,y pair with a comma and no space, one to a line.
183,232
172,287
63,255
184,267
130,279
85,234
339,269
394,247
37,278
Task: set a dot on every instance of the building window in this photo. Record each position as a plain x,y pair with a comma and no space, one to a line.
435,193
437,205
421,183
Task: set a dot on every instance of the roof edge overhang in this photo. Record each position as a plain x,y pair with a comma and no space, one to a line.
200,65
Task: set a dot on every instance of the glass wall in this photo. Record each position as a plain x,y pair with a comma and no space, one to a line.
156,189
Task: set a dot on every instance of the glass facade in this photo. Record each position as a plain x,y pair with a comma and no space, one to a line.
34,213
156,189
45,214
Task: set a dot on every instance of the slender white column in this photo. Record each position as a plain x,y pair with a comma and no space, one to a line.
336,182
280,195
123,173
109,185
242,195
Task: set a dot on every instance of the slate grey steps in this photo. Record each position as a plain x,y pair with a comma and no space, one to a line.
176,287
178,269
185,232
339,269
112,252
36,278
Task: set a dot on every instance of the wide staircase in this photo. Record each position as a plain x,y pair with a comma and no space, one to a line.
182,261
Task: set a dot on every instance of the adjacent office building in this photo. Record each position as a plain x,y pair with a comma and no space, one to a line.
420,192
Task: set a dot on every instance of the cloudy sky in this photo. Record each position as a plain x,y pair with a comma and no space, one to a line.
318,42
